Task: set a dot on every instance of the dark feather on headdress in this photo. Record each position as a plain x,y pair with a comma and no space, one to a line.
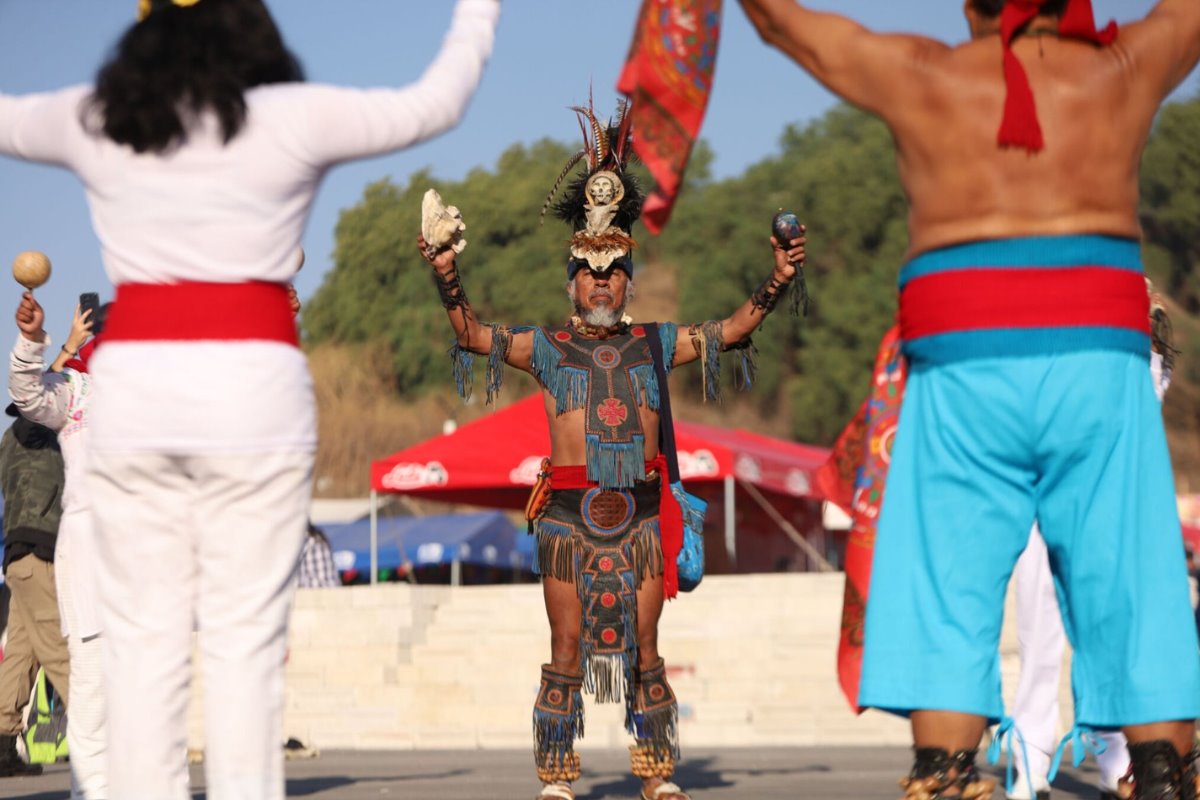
562,176
570,208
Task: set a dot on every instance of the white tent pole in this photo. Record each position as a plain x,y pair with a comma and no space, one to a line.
730,522
787,527
374,537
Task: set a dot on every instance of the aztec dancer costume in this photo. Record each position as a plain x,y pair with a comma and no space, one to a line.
608,525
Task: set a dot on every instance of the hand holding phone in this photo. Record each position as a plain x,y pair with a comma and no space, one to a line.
90,301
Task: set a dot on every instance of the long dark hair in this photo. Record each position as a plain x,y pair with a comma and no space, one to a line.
179,62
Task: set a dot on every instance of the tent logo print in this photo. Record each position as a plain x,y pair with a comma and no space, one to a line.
415,476
696,464
526,473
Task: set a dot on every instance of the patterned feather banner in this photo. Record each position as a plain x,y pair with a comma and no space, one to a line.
668,77
854,478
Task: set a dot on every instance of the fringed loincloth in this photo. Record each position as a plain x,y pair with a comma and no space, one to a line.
606,542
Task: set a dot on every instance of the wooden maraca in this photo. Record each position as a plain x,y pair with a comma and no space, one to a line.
31,269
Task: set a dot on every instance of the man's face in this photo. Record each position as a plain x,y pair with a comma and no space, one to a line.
600,297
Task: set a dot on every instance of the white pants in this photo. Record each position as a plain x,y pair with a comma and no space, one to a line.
210,541
1041,643
87,734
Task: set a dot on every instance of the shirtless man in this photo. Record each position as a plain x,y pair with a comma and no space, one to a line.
1023,251
606,554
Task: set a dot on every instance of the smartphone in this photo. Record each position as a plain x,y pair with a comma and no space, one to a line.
90,301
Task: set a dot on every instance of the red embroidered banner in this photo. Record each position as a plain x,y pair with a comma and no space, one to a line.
853,478
668,76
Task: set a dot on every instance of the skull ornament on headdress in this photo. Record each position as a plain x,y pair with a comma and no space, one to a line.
604,200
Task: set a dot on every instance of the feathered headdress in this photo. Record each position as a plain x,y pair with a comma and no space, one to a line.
144,6
603,201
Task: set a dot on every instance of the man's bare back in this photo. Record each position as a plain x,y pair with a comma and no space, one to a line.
944,104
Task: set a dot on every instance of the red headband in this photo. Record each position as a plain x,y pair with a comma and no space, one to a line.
1020,127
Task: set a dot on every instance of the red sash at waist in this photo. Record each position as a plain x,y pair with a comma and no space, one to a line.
1001,298
189,312
575,477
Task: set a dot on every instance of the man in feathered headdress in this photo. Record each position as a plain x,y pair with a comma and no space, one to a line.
609,531
1023,319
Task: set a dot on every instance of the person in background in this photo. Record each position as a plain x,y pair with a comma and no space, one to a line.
317,570
31,480
61,399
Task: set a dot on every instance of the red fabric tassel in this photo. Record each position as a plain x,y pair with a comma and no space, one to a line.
1020,126
668,77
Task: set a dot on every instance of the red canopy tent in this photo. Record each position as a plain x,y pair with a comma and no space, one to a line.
494,461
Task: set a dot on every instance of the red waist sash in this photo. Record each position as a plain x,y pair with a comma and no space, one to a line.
188,312
999,298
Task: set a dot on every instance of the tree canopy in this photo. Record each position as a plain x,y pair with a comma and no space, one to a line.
837,173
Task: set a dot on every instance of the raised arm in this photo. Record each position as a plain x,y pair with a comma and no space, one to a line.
751,314
39,127
342,123
1165,46
874,71
473,335
42,398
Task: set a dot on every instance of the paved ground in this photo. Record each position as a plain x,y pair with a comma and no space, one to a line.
780,774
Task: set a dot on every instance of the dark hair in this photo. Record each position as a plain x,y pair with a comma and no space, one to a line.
179,62
992,8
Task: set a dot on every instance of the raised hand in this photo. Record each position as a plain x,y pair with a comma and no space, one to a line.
31,318
789,259
81,331
442,260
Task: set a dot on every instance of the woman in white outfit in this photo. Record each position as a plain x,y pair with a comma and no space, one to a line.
61,399
200,151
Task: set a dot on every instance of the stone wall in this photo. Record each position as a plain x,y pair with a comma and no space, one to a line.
751,658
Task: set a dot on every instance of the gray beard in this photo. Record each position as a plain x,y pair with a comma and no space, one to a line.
602,316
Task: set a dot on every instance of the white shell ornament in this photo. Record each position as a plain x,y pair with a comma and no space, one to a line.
441,225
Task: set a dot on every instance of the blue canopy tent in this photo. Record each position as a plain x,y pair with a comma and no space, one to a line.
485,539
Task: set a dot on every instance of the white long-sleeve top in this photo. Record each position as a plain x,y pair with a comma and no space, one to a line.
216,212
62,402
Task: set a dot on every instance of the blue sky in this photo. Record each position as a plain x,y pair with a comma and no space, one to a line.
547,53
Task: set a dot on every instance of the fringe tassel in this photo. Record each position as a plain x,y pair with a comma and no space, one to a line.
501,345
668,333
799,294
463,362
647,552
646,391
569,385
616,465
555,555
659,729
747,364
709,340
609,677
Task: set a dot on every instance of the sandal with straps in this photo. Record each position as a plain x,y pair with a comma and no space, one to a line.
663,789
556,791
